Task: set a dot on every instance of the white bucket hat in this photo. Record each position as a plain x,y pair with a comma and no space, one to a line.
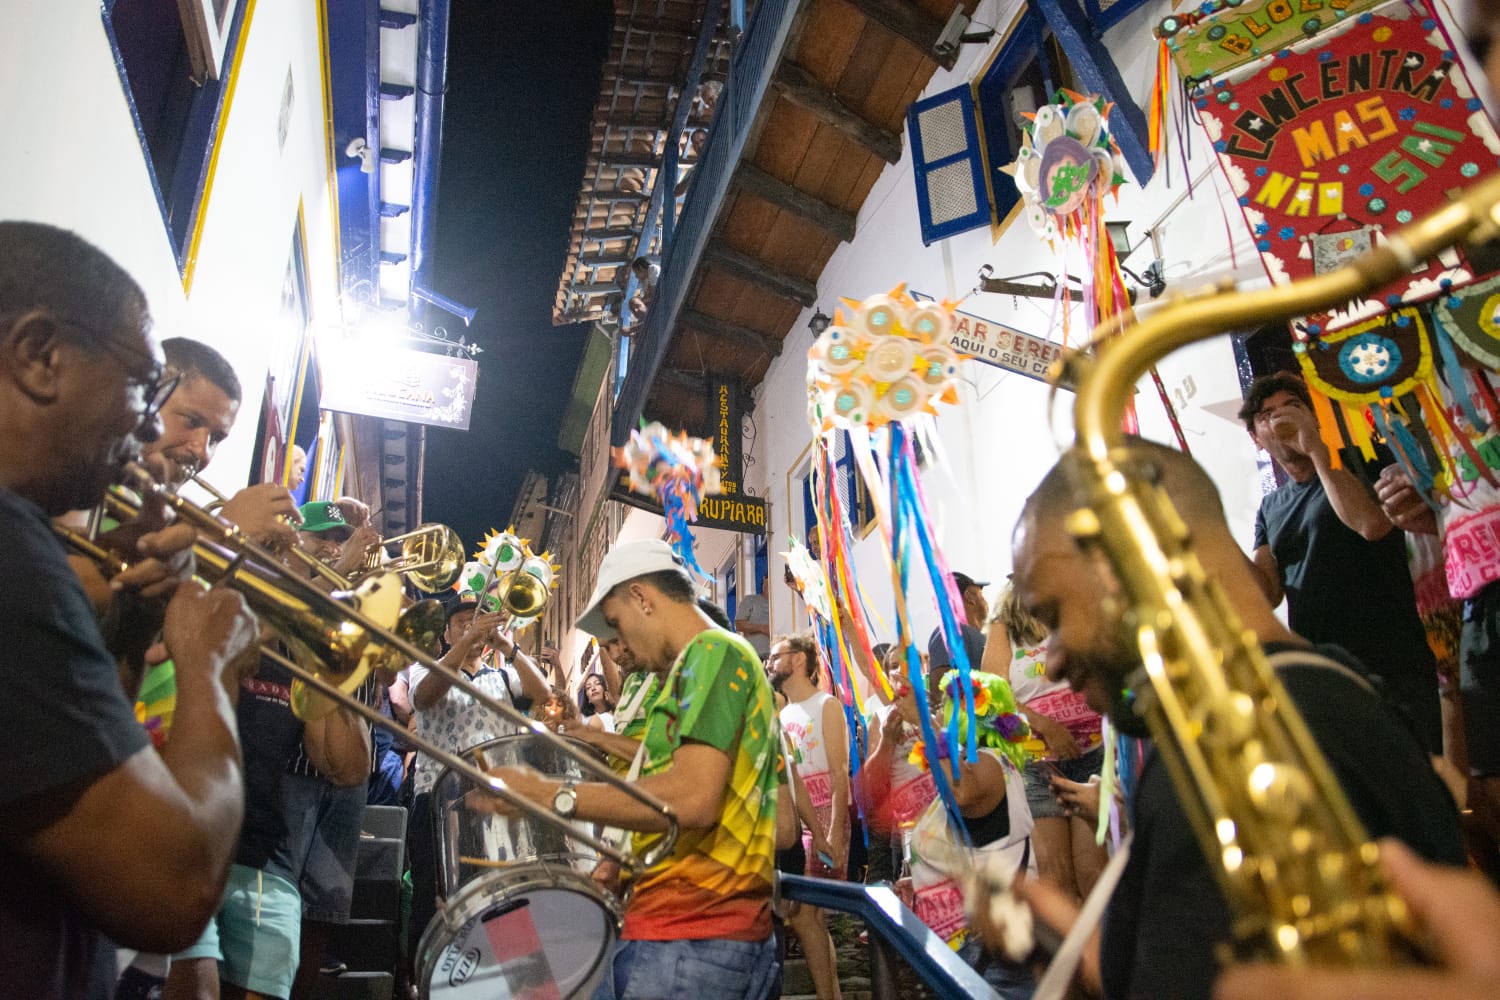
621,564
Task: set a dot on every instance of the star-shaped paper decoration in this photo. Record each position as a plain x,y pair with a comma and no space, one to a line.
888,359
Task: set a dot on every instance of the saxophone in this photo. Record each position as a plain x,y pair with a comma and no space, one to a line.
1293,859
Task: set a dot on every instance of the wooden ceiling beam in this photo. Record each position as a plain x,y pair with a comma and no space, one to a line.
715,327
906,22
829,218
803,89
748,268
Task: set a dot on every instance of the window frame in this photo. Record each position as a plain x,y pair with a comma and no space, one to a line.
1025,40
181,203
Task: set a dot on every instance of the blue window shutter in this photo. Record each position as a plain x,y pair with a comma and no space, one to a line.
949,165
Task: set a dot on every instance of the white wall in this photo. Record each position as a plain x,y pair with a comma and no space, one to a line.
72,158
1002,437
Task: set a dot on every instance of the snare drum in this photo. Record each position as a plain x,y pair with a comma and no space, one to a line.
520,916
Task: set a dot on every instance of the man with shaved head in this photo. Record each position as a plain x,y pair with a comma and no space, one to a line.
1167,916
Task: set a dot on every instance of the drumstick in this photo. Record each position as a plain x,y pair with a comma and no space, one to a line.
464,859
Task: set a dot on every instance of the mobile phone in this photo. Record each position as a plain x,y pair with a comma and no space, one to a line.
827,859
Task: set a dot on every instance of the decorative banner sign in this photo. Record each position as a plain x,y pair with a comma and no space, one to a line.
1219,35
742,513
1368,127
727,419
1472,318
1002,346
398,384
1382,357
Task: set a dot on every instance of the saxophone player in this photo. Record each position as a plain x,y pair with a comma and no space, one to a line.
1167,917
1459,910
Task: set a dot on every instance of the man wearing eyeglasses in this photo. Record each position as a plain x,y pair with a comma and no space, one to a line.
102,837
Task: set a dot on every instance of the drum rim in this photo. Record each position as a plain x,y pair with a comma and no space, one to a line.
479,748
478,894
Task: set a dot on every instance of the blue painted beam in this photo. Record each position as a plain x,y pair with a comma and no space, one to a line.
396,91
372,137
1096,73
397,19
391,211
353,36
389,155
390,257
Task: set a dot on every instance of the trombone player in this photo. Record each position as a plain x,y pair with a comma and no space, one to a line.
105,839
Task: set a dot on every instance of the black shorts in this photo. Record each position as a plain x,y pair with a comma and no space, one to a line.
1479,681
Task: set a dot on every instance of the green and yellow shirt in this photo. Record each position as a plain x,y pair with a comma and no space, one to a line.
717,881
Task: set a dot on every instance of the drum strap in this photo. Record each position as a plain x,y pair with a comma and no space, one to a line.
631,710
627,714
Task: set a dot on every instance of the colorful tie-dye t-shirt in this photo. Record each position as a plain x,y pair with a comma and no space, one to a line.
717,881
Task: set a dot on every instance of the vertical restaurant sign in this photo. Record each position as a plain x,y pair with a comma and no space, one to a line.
727,419
1218,35
1364,128
398,384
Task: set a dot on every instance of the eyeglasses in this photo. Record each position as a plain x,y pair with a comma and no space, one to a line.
157,383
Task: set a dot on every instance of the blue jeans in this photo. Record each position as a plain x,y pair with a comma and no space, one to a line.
689,970
1011,982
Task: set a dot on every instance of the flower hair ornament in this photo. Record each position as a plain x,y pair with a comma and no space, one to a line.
1001,726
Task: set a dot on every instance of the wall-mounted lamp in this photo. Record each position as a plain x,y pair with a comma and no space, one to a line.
819,323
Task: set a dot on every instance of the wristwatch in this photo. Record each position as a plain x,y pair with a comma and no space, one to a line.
565,801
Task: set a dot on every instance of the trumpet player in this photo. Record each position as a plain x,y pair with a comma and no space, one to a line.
196,419
1166,917
103,838
326,535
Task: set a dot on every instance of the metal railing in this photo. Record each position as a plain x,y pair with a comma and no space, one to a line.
750,74
895,933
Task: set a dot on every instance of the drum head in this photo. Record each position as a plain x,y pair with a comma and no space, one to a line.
530,942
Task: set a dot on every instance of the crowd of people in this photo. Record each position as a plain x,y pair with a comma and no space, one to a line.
206,848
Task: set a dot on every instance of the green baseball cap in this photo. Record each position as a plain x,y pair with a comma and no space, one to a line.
321,515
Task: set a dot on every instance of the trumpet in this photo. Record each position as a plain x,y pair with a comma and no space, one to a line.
347,634
523,594
431,557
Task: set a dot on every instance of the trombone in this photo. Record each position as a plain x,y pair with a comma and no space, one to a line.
431,557
352,632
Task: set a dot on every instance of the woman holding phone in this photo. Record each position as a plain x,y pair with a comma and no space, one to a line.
1068,743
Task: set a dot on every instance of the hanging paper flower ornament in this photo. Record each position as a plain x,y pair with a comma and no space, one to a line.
1067,158
676,469
1001,725
887,360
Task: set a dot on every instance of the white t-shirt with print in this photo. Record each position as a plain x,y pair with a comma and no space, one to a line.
458,722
